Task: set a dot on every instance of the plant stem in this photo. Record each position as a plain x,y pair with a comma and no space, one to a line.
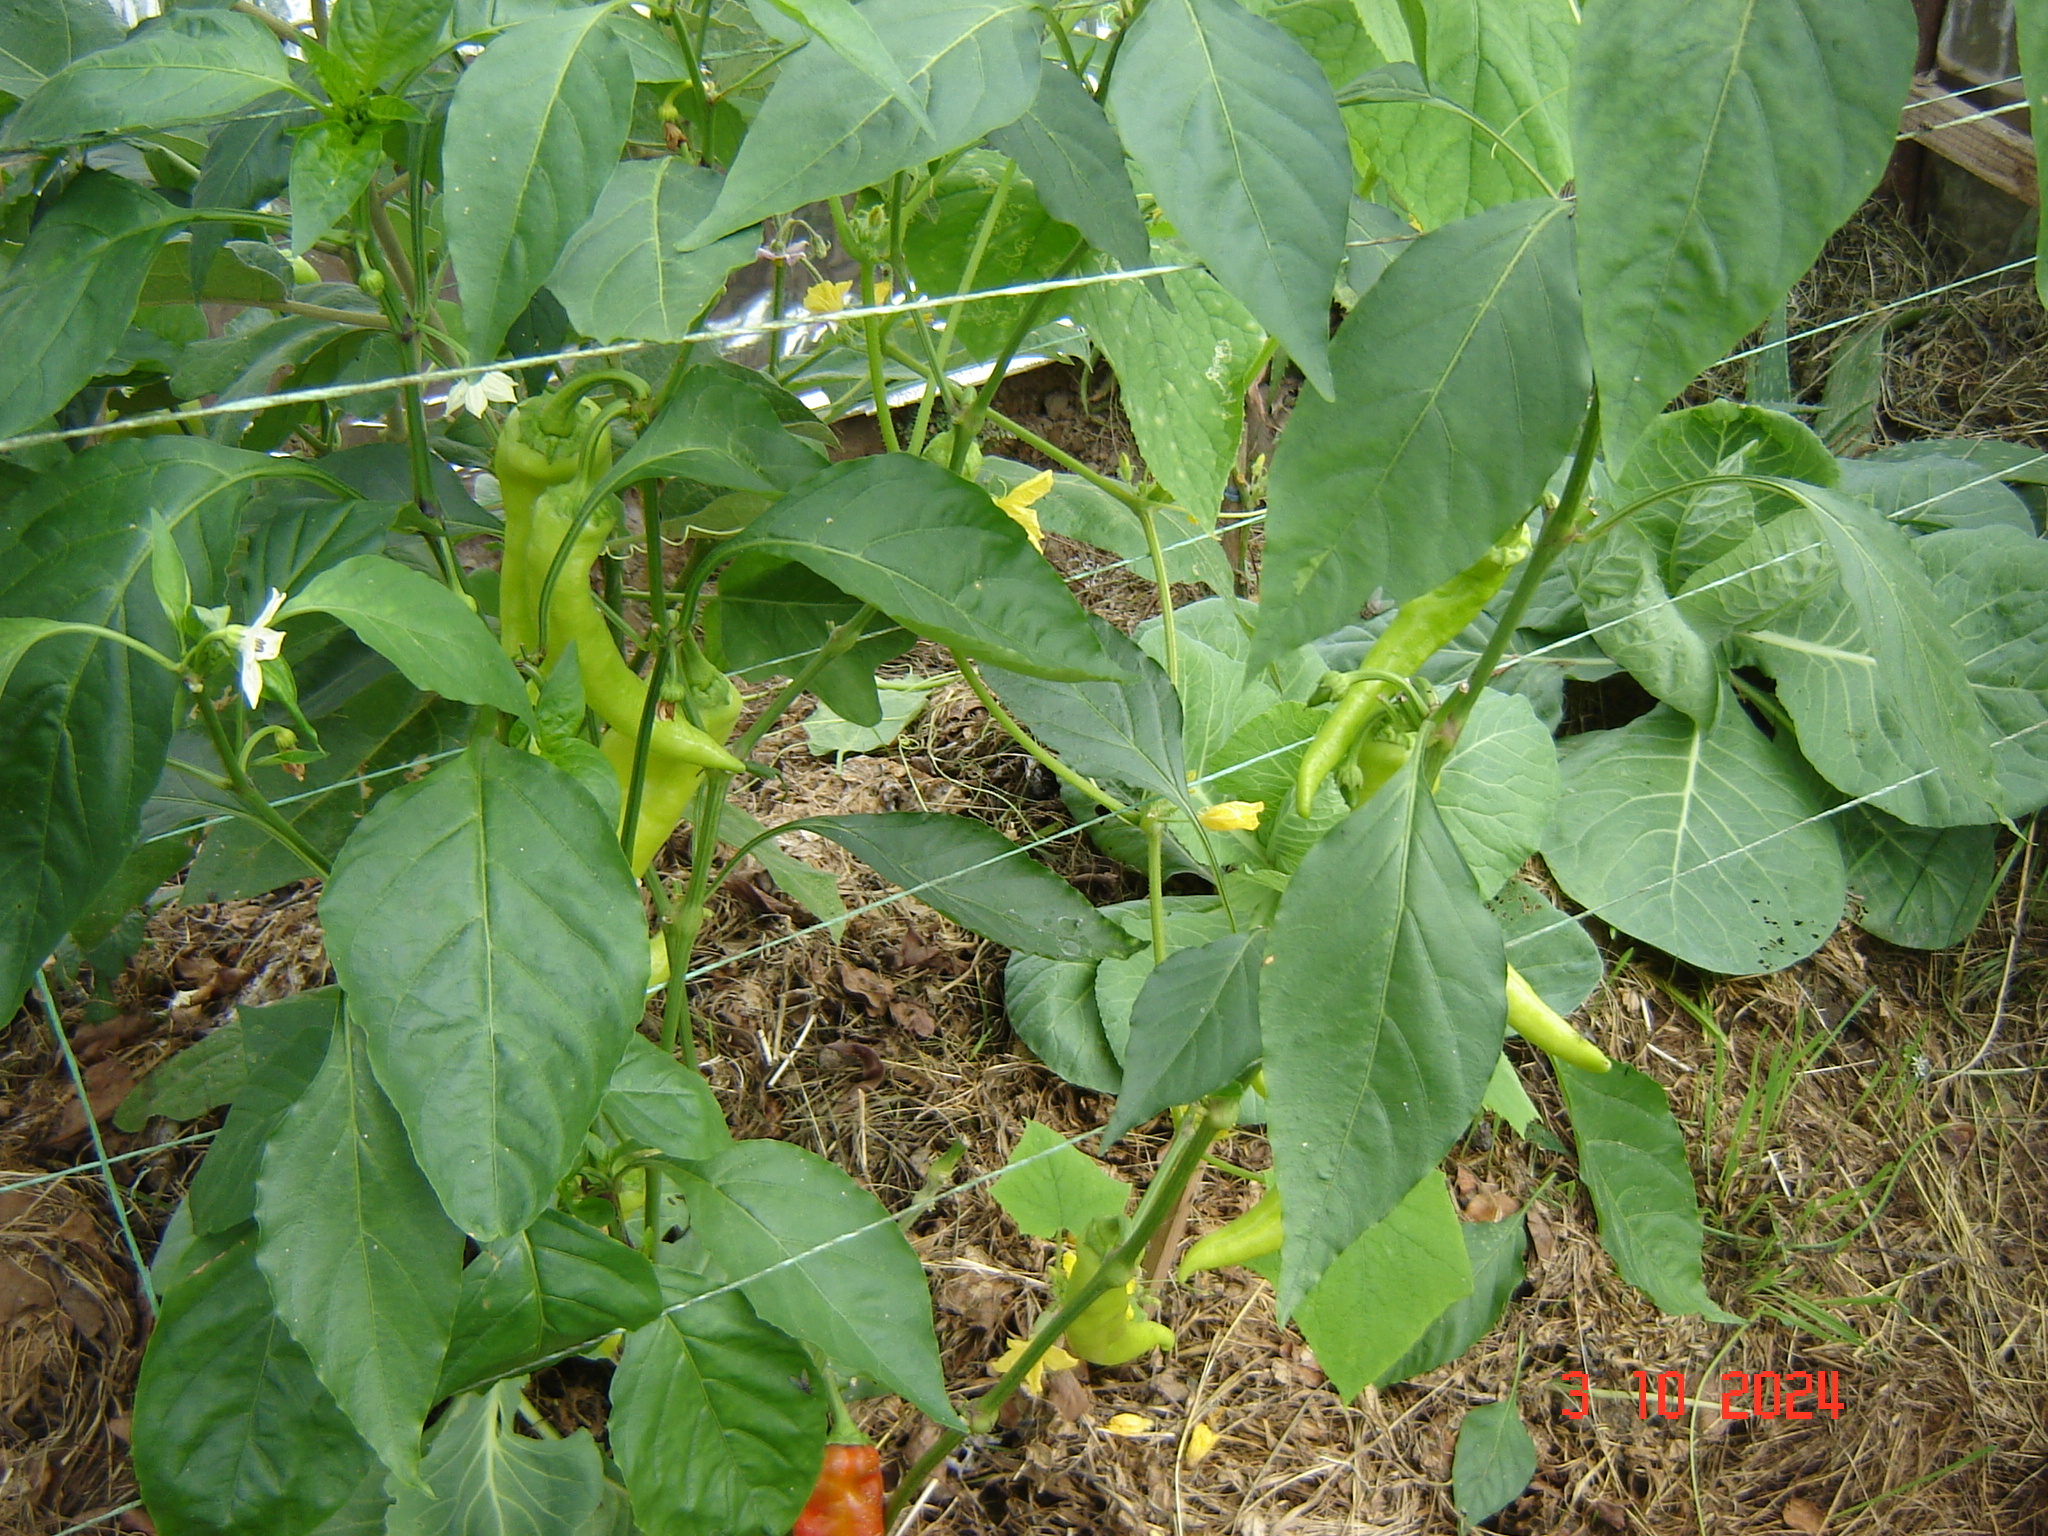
650,1228
658,636
1155,881
1148,519
680,927
361,319
1559,528
1066,461
1183,1159
251,797
1016,733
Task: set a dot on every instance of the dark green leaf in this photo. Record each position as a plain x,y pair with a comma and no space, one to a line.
385,41
1191,921
1498,789
816,889
1021,244
1238,134
557,1285
1128,731
66,300
719,430
1922,887
1931,491
1494,1251
420,626
1380,1294
847,32
1716,146
658,1102
233,1431
973,874
1383,1013
827,128
1065,145
534,132
491,941
1051,1006
89,721
205,1075
1618,579
1052,1188
39,37
285,1043
331,165
1507,67
489,1481
192,66
819,1258
1410,477
1182,372
713,1421
1632,1157
1494,1462
295,535
622,274
1194,1028
361,1263
938,556
246,165
771,615
1703,840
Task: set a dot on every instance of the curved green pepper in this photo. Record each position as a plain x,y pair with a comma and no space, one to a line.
1252,1236
1110,1330
1545,1028
530,461
612,689
1421,628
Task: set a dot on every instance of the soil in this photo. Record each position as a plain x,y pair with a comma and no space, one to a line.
1869,1131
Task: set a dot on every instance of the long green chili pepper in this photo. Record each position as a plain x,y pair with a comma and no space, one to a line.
1111,1330
1251,1236
1422,627
1545,1028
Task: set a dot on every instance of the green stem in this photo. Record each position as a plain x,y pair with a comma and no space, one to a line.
1017,733
1559,529
650,1226
968,425
1149,519
659,638
260,809
878,385
680,928
1155,881
1183,1160
1067,461
361,319
949,312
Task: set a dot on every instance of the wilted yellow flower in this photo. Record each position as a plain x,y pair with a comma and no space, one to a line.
1054,1359
1232,816
1201,1441
1129,1424
1019,501
830,298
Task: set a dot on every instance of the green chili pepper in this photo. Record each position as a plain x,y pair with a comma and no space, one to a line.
1110,1330
1543,1027
1252,1236
1422,627
530,461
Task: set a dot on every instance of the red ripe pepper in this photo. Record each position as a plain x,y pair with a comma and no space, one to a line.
848,1498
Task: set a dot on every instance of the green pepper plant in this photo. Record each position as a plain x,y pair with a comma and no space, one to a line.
395,494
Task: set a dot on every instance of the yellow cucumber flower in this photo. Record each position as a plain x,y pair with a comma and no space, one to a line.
1054,1359
1232,816
1019,501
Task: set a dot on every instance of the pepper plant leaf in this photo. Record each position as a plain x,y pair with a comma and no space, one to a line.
711,1418
382,42
820,1259
719,430
1382,1014
363,1267
939,557
1063,143
1129,732
487,1479
1493,1249
1632,1157
968,870
40,37
1498,789
496,1054
1194,1029
65,302
191,66
89,721
1494,1461
1238,134
1716,146
1408,478
828,128
534,132
233,1431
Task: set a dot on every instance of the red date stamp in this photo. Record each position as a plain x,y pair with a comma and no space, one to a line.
1744,1394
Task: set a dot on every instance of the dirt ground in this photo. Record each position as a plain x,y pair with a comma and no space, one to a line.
1869,1131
